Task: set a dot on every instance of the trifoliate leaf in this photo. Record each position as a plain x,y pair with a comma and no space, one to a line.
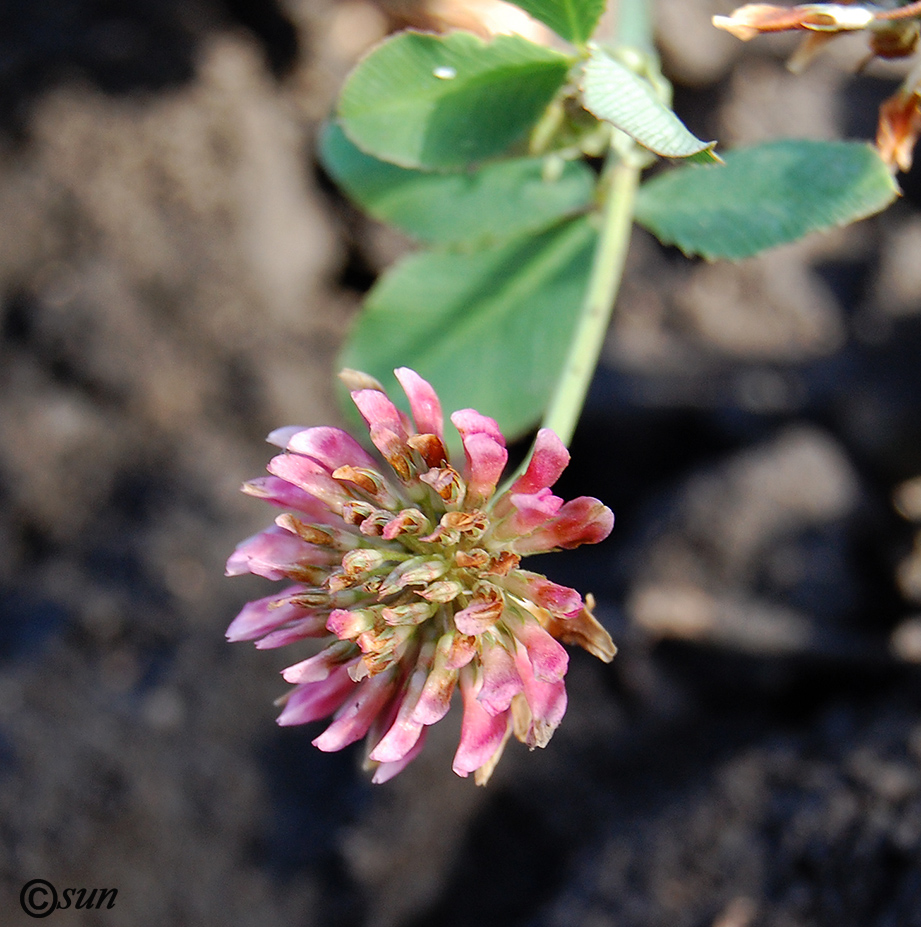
500,200
441,102
623,98
764,196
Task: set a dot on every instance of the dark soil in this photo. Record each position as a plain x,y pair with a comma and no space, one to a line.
176,277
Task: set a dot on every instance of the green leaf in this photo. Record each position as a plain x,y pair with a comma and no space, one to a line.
765,196
487,329
574,20
617,95
500,200
444,102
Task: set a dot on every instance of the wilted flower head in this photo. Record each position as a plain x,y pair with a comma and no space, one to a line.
411,580
748,21
893,31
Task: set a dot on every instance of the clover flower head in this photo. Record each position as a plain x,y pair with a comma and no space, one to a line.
410,581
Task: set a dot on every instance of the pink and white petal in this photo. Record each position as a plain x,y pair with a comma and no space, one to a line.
281,436
405,730
313,626
310,476
582,521
546,701
482,734
276,554
331,447
549,459
321,664
356,715
315,700
548,657
501,680
399,740
285,495
263,615
423,402
386,771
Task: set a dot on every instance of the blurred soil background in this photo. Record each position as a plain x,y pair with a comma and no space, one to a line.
176,277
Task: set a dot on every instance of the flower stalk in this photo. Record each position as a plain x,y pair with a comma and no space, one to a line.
566,404
631,27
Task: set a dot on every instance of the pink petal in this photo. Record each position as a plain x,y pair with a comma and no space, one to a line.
470,422
405,730
347,624
478,617
320,665
482,734
501,681
331,447
463,650
386,771
547,701
529,512
262,615
484,448
435,699
548,657
314,626
423,402
548,461
275,554
486,459
560,601
386,423
277,491
356,715
310,476
581,521
315,700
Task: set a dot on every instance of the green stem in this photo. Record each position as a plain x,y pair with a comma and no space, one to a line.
603,286
631,25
